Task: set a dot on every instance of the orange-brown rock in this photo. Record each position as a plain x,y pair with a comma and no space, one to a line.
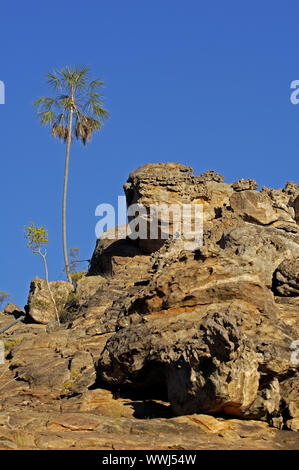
162,347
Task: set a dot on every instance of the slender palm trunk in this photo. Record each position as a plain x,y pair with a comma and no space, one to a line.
69,140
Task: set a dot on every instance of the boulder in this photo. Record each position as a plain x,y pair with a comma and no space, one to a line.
225,361
40,305
253,207
286,278
14,310
170,186
211,175
290,400
244,185
112,248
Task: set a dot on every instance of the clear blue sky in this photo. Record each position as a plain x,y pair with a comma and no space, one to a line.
204,83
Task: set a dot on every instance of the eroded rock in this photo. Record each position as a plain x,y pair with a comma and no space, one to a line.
220,361
14,310
286,278
189,338
40,305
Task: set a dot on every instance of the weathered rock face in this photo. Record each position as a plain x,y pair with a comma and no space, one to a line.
113,251
198,336
40,305
219,361
14,310
173,184
253,207
243,185
287,278
296,208
206,327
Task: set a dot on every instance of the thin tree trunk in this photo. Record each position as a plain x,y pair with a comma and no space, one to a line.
48,286
69,140
12,324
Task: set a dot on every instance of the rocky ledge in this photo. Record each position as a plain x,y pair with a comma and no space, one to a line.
161,347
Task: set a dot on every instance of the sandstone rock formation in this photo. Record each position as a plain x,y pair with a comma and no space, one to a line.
206,328
14,310
202,343
40,305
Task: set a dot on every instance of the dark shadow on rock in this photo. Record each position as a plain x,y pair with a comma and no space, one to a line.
150,409
100,262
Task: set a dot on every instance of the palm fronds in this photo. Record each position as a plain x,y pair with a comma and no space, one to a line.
73,92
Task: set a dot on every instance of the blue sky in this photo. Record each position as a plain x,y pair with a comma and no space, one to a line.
204,83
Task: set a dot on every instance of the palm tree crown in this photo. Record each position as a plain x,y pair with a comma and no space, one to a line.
74,92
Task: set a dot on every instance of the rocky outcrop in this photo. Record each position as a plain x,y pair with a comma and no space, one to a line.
14,310
286,278
202,340
206,329
243,185
173,184
254,207
212,360
40,305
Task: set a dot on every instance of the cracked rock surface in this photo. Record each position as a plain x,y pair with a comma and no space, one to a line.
161,347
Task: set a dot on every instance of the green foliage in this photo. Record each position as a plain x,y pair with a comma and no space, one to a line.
40,304
77,276
73,266
36,237
71,307
78,378
11,343
4,296
73,92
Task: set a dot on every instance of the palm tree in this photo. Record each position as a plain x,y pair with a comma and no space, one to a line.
76,110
